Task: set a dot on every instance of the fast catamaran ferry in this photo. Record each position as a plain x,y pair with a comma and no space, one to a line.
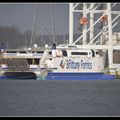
72,63
63,62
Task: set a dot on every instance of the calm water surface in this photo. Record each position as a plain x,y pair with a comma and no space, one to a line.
59,98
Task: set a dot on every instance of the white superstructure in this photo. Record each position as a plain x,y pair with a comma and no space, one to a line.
73,59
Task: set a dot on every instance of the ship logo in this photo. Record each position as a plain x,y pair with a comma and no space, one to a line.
62,64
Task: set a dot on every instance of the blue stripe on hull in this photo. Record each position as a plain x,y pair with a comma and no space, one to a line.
3,77
79,76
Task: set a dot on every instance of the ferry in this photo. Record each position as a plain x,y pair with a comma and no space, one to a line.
63,62
70,62
73,63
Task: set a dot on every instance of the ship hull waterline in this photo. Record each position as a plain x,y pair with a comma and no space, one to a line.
57,76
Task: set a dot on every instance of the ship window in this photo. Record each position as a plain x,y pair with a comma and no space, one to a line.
93,53
39,51
22,52
64,52
35,61
97,53
72,46
10,51
79,53
50,53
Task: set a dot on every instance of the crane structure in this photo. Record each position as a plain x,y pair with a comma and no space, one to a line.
98,21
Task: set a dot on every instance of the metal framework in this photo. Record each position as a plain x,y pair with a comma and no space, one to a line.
103,39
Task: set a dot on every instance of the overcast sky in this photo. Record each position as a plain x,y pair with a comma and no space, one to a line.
21,15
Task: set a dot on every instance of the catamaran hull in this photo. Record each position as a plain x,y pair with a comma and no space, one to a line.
19,75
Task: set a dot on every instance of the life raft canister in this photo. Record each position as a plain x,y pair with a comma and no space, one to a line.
104,18
83,21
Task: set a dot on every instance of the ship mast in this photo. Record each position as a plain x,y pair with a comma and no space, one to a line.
34,24
52,22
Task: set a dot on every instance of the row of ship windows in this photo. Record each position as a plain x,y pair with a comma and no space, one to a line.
23,52
64,53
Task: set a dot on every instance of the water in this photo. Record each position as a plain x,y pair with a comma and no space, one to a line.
59,98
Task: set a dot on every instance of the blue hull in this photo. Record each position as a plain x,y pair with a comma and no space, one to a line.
79,76
3,77
65,76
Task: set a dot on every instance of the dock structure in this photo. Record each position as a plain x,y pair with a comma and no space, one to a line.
98,22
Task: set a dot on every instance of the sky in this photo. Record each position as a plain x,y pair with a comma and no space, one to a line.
22,15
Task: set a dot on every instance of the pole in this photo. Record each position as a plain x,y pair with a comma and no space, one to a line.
91,21
110,50
70,23
85,26
34,22
53,25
